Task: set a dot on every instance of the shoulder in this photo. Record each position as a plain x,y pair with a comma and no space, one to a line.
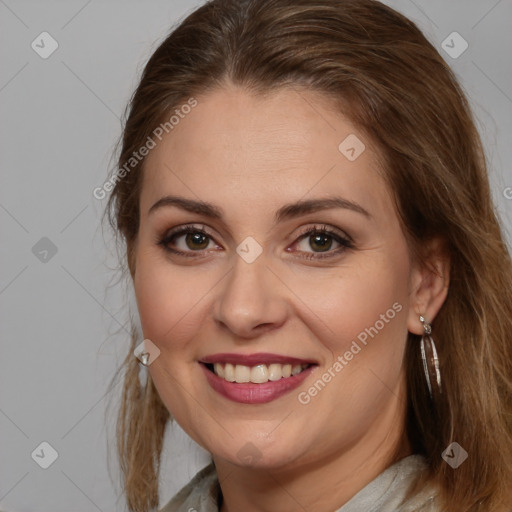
389,491
427,501
201,494
411,470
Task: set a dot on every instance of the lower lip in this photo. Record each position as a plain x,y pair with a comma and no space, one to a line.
250,393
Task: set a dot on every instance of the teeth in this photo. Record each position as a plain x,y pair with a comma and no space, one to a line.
219,370
274,372
258,374
229,372
242,373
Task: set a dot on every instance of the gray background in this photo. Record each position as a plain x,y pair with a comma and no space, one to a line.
63,319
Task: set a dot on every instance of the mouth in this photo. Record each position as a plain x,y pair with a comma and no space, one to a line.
257,374
255,379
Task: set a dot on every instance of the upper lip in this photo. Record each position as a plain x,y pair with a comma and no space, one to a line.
254,359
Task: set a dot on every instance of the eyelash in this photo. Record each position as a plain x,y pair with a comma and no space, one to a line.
344,241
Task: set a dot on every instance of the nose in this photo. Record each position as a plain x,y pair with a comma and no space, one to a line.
251,299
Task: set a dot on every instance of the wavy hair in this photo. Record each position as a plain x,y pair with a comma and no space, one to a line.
379,70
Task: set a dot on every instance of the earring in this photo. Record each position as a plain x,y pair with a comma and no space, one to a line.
429,356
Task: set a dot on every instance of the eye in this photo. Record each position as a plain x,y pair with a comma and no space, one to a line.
320,239
193,240
197,240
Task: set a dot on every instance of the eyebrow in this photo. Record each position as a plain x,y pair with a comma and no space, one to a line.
287,211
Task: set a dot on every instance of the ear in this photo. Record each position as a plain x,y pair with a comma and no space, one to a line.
429,282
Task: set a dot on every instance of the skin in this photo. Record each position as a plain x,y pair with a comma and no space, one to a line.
249,155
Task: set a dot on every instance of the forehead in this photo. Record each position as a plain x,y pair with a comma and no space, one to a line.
236,147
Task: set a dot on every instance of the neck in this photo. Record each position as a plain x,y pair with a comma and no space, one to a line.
326,483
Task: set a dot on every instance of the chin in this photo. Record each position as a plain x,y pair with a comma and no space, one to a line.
262,455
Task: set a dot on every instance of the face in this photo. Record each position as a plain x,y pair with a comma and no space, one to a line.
258,287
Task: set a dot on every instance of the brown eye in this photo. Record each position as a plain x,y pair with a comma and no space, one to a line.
321,241
187,240
196,240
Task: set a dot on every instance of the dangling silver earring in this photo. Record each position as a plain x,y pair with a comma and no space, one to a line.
429,356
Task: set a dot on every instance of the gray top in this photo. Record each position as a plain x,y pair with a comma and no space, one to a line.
384,494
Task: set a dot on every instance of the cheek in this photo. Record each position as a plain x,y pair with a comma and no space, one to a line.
364,328
360,301
165,298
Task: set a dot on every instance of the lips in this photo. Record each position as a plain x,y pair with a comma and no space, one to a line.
255,378
254,359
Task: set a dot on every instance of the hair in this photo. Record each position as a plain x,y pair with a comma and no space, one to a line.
376,68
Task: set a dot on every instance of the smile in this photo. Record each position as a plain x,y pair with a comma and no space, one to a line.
257,378
258,374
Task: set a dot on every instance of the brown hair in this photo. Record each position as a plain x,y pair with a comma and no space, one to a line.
380,71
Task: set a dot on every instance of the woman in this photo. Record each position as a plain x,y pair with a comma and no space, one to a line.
323,287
